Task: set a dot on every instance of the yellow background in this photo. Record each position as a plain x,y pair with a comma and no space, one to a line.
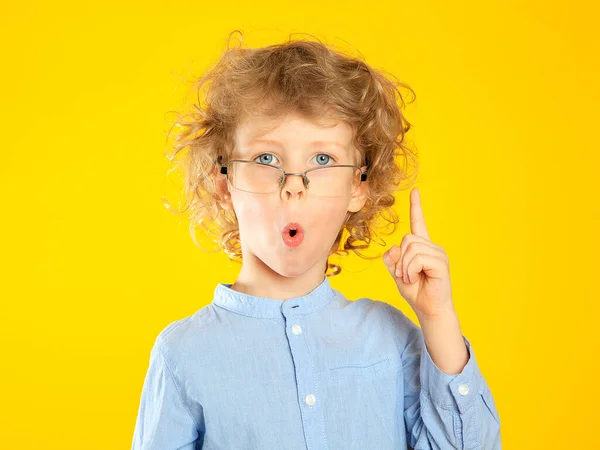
93,265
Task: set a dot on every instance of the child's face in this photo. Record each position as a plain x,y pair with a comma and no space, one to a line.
262,217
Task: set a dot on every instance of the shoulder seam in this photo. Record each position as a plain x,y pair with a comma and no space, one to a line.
391,322
172,325
185,405
406,319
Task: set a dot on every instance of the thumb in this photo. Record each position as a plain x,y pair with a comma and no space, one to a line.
391,258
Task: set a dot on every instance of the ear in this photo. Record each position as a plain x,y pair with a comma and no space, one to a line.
359,198
222,190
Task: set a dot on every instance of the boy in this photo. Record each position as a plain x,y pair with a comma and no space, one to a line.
295,146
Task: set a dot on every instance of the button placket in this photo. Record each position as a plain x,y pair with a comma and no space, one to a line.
306,379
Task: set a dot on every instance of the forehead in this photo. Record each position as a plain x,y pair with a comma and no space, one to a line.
293,129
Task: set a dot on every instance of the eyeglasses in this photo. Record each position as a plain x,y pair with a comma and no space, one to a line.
326,181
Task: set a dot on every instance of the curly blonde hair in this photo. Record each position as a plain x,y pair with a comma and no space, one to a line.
310,78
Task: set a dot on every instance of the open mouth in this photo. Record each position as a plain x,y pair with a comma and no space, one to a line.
292,235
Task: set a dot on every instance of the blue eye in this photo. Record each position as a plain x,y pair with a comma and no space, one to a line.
320,158
263,161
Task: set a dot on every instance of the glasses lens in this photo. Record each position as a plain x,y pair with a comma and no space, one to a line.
333,181
255,178
323,182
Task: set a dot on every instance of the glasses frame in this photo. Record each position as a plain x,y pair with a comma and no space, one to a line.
305,179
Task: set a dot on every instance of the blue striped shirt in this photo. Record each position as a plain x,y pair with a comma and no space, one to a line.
312,372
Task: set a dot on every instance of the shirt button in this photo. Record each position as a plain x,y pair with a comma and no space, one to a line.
463,389
296,329
310,399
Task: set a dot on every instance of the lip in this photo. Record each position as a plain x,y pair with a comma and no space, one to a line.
292,241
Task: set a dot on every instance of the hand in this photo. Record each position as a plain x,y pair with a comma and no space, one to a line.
420,268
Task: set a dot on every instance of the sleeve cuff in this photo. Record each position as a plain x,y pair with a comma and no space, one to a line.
455,392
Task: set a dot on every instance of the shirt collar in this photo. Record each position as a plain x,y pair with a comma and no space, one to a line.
270,308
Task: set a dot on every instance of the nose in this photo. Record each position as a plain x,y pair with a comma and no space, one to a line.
293,187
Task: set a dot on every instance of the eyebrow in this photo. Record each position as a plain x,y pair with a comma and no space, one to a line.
312,144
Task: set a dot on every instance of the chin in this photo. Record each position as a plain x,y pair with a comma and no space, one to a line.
289,268
289,272
292,269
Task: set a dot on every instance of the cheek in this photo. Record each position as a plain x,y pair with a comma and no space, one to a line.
250,211
330,214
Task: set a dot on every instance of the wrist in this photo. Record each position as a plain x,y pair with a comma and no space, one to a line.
445,315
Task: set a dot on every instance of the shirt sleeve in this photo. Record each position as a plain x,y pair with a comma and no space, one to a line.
444,411
164,420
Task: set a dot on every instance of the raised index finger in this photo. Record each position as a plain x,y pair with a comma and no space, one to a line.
417,219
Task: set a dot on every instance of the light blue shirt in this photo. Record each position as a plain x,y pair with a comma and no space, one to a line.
311,372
